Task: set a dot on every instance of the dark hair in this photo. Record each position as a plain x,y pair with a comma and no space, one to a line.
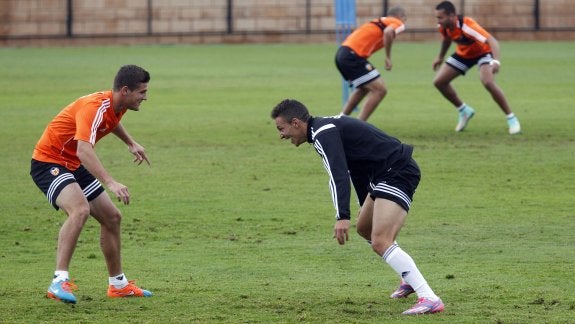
289,109
130,76
447,6
396,11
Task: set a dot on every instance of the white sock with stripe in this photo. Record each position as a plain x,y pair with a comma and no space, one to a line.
404,265
60,275
120,281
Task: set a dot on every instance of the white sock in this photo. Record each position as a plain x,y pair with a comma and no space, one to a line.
511,115
120,281
460,108
404,265
60,275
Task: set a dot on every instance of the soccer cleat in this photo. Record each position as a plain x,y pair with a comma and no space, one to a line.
425,306
62,291
514,126
464,116
130,290
402,291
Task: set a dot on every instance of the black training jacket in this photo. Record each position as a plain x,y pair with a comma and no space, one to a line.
351,147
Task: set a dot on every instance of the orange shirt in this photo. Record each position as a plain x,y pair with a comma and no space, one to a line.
469,36
368,38
88,119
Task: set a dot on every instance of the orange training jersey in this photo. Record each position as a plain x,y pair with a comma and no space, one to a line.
88,119
470,38
368,38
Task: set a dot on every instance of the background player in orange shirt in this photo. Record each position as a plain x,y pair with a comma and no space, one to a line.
474,46
351,60
66,168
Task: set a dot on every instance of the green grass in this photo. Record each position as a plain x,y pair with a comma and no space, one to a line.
231,225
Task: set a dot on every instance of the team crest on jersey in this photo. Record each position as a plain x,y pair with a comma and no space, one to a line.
55,171
368,67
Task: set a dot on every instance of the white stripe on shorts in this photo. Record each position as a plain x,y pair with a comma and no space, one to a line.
56,183
365,78
458,65
485,60
382,187
91,188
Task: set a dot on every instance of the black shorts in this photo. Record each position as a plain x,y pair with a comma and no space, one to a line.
355,69
463,65
397,185
360,181
51,178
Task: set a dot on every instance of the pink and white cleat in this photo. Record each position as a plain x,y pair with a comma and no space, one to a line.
425,306
402,291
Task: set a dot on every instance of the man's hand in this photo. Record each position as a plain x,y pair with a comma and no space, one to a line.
388,64
437,63
120,191
139,153
495,64
341,231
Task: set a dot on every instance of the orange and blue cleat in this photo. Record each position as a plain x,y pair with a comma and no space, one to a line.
130,290
62,291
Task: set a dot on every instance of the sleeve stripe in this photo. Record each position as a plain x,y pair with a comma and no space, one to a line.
98,120
321,129
332,186
475,34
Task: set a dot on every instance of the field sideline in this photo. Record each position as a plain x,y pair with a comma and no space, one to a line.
231,225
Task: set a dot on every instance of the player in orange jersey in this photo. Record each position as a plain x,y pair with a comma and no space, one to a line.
66,168
474,46
351,60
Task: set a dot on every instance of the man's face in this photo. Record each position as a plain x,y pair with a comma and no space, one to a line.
133,98
443,19
296,130
403,18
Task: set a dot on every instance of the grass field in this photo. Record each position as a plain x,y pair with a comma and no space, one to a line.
231,225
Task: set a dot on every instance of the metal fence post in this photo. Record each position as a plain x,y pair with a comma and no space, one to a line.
69,18
230,17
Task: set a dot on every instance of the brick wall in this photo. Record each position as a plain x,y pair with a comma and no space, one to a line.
206,21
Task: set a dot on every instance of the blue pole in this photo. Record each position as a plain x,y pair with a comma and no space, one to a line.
344,24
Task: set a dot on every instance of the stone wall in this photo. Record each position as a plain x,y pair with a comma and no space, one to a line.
45,22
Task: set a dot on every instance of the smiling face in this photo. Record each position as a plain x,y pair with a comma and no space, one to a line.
131,99
295,130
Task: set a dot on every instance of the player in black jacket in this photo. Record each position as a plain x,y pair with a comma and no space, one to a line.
384,177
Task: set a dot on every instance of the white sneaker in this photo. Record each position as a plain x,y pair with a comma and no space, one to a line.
464,116
514,126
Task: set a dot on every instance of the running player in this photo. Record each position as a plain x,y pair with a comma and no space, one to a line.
351,60
474,46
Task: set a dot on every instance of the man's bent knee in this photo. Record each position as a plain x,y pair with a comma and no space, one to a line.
379,246
365,233
77,215
440,84
113,218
